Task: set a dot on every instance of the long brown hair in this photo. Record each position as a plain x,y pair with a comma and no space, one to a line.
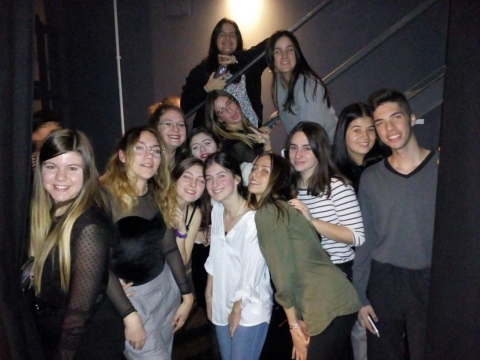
301,68
203,202
45,234
279,186
320,181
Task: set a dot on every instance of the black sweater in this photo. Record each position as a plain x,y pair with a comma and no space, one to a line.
193,92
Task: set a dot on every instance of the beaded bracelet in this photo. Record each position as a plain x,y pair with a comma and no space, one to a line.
294,327
179,234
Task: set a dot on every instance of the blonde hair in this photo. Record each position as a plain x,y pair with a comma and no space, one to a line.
43,237
219,128
120,180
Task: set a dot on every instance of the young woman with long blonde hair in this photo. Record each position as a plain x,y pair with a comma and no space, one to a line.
141,200
70,240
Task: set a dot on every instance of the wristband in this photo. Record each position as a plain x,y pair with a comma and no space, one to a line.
179,234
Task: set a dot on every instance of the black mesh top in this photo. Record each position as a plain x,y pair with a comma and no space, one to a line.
145,244
92,235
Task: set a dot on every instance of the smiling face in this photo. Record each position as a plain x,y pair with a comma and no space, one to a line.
143,164
172,129
62,176
228,112
301,155
191,184
227,39
259,177
221,183
202,145
393,125
360,138
284,56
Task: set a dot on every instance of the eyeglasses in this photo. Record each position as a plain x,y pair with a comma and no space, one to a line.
169,125
228,105
50,124
141,149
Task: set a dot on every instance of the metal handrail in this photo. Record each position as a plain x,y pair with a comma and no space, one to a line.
254,61
426,82
379,40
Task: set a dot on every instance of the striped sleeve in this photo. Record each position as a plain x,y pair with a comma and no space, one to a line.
347,210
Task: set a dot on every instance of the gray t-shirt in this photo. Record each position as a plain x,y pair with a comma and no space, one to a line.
398,215
307,107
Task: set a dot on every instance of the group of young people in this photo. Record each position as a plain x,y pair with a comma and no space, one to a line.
217,216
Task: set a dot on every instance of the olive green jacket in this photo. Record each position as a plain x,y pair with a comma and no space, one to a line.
301,270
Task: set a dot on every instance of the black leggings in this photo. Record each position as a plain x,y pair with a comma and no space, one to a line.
334,342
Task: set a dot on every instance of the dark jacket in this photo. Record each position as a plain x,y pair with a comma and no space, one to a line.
193,92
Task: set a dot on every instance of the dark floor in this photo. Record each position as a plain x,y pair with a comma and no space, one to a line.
194,340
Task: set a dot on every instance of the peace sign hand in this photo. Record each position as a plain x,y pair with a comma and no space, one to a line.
261,136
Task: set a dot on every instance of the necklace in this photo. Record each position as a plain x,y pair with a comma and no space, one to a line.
231,219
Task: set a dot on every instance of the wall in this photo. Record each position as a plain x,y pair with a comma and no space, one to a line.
158,51
335,34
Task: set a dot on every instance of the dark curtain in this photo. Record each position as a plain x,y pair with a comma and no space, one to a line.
454,314
18,339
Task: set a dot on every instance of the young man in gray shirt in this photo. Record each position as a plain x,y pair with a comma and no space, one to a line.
391,270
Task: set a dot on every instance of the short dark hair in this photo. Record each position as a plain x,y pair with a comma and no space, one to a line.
383,96
42,117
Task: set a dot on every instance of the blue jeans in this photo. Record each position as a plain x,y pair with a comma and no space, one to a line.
246,344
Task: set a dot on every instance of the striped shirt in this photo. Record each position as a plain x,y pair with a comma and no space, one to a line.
341,208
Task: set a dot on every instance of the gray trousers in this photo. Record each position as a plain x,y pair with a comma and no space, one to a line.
359,341
156,302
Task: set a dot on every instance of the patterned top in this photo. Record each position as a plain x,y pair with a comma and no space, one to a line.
341,208
239,91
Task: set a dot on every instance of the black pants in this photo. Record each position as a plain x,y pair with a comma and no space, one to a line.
346,268
333,343
399,297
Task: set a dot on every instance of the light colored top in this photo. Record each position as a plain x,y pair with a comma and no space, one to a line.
239,271
301,270
341,208
239,91
306,107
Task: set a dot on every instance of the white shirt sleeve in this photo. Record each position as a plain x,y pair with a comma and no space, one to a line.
253,266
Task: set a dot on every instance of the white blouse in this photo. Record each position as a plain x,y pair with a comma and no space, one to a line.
239,271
